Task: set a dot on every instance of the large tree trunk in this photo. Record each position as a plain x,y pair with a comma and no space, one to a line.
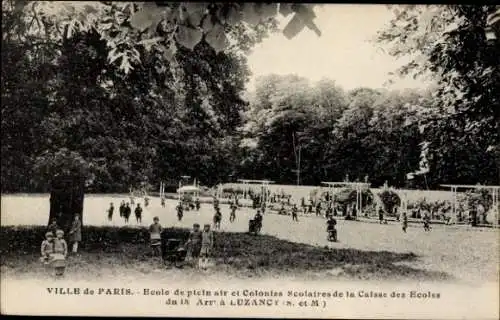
66,200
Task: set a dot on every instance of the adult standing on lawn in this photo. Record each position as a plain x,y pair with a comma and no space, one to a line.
75,233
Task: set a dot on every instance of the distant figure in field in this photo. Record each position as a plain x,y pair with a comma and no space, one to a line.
473,216
155,236
295,213
380,215
163,202
197,204
258,220
310,207
217,218
233,207
329,211
122,209
138,213
216,203
302,202
282,210
318,208
404,221
427,222
132,200
336,210
110,211
180,211
127,211
331,230
146,201
75,233
396,213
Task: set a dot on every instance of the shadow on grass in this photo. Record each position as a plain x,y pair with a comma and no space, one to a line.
238,254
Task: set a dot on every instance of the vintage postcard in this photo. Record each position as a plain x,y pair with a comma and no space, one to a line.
279,160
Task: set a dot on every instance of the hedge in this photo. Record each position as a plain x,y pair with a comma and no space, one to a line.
28,239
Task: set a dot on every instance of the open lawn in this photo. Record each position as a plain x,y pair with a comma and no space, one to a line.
286,249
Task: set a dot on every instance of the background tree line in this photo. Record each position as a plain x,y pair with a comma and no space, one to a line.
67,106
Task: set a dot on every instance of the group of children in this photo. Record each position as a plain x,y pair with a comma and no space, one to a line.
54,251
125,211
199,244
233,206
54,248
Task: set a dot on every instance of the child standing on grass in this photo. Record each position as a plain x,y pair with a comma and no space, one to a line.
207,243
380,215
60,251
232,217
127,211
47,248
122,209
194,243
155,236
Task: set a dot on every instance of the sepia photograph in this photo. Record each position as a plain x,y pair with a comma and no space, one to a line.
219,159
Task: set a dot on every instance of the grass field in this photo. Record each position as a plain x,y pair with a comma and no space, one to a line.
287,249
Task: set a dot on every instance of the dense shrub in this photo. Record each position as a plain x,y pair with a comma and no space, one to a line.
390,199
348,196
477,197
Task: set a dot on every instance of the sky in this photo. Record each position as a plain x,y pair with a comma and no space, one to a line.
342,53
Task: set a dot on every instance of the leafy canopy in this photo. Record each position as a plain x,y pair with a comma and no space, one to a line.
167,26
